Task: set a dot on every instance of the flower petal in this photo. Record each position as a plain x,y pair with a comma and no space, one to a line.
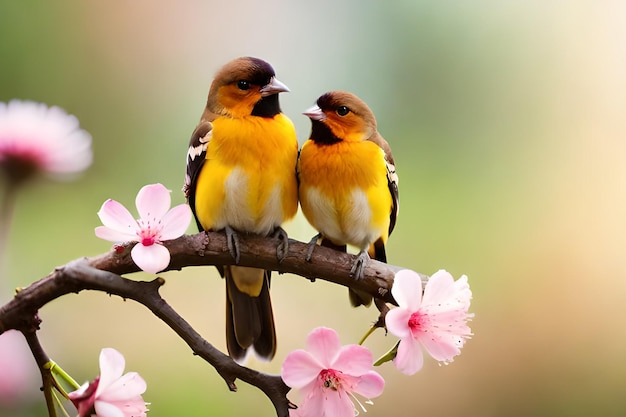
297,412
106,409
175,222
324,345
410,358
70,151
462,292
338,404
444,347
300,368
371,385
153,258
128,387
113,235
112,365
77,394
397,322
439,287
313,404
129,408
353,360
153,201
407,289
115,216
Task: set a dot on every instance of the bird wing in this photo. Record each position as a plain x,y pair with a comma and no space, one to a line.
392,178
196,155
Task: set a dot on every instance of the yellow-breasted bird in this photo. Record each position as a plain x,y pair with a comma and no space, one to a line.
348,186
241,178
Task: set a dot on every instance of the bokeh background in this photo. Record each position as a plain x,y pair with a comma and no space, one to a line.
507,121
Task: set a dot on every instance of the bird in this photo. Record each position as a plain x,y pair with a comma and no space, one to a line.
240,178
348,185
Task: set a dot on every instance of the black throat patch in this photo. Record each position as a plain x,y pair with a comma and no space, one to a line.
321,134
267,106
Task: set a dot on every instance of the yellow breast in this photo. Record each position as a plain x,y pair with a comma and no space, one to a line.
344,192
247,181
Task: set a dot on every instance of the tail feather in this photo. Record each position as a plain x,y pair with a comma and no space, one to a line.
232,344
357,298
249,320
265,344
377,251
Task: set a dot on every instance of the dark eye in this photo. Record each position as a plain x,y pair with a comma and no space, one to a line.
342,110
243,85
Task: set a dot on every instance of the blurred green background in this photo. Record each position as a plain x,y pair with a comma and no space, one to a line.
507,121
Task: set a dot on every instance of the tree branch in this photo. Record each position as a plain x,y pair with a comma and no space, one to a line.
102,273
210,248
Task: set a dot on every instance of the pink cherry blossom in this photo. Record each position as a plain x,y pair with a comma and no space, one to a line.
329,375
436,321
157,223
37,138
111,394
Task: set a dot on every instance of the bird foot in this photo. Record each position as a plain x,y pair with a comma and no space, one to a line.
312,244
232,240
283,246
358,268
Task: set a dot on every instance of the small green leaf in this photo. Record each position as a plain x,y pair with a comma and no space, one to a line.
388,356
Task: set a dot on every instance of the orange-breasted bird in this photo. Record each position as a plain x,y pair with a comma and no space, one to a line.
241,178
348,186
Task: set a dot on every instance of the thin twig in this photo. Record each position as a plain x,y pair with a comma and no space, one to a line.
47,379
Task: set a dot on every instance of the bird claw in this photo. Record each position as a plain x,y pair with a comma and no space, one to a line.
312,244
283,246
233,243
358,268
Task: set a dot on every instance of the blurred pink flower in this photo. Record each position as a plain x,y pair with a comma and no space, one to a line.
329,374
436,321
35,138
17,369
156,224
111,394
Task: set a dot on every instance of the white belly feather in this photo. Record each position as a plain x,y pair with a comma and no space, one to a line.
238,209
349,225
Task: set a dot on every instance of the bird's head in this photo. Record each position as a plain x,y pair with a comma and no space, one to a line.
245,86
340,115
